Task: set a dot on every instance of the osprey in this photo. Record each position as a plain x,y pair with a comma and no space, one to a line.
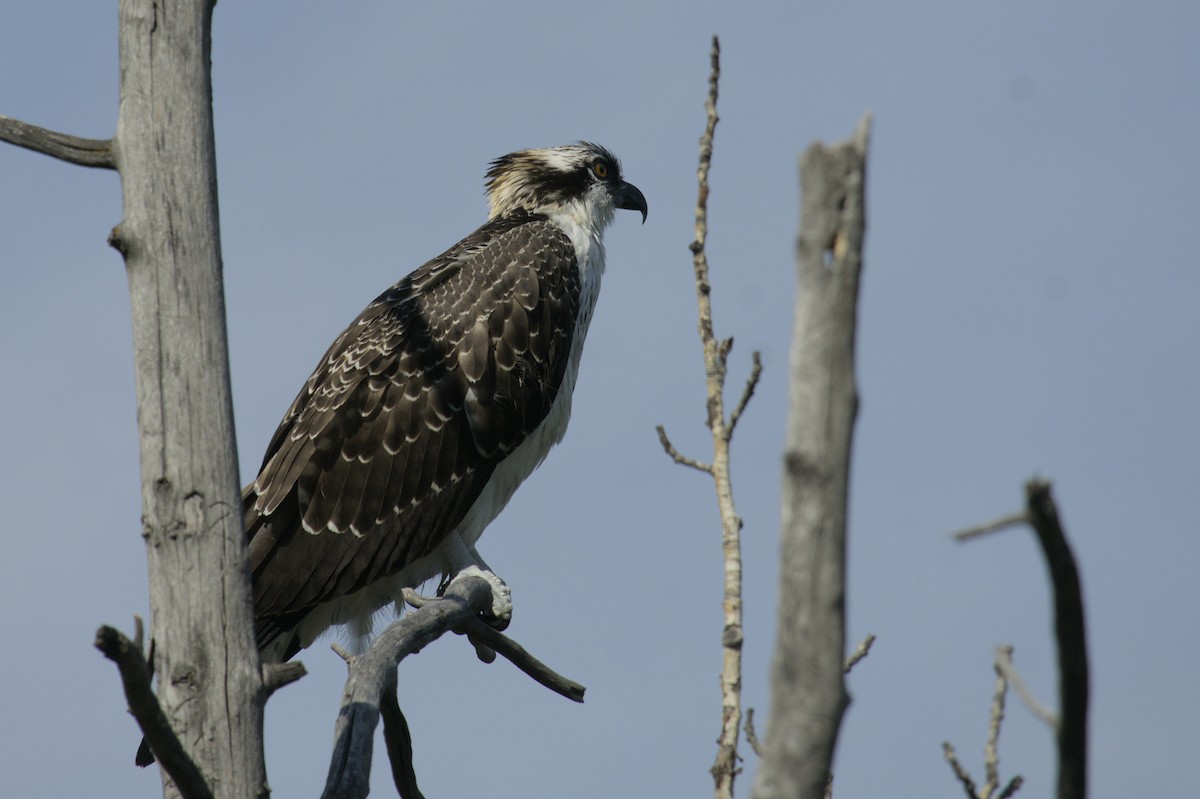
430,409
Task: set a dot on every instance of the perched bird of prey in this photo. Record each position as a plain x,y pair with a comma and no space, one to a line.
430,409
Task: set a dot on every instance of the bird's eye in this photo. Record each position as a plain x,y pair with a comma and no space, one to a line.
600,169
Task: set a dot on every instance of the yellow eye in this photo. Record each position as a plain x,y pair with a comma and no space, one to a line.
600,169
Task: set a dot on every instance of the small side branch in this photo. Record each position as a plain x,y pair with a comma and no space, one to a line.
747,393
961,773
143,704
1005,664
991,750
277,675
861,651
72,149
674,455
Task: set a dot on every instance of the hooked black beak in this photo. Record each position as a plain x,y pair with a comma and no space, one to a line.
630,197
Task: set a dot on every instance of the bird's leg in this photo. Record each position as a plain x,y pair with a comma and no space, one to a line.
464,561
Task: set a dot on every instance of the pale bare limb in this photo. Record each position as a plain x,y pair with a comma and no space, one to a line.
277,675
682,460
1005,664
747,393
808,693
860,652
995,526
751,733
72,149
725,767
991,749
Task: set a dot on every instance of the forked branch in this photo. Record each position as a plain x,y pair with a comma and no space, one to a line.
371,684
716,354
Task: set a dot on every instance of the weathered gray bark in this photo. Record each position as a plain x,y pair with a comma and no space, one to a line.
808,695
209,679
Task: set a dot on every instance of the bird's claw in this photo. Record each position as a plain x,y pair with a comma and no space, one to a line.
499,615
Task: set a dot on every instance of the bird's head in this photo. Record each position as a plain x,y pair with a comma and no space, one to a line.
581,178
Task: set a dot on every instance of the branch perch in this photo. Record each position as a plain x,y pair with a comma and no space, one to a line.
365,698
72,149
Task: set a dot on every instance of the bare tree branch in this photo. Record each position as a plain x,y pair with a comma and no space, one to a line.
994,526
747,393
963,777
277,675
1005,664
1070,633
365,698
398,740
72,149
991,749
1072,641
751,733
716,352
682,460
861,651
135,677
480,633
808,694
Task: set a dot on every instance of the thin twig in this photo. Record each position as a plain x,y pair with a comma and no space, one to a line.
963,777
72,149
860,652
682,460
751,734
1011,789
1005,664
143,704
991,749
747,393
995,526
277,675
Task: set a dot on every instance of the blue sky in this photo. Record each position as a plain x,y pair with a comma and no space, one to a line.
1029,306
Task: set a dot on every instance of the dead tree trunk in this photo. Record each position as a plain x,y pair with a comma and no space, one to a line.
209,680
808,695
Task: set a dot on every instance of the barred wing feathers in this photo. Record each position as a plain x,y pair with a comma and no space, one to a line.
400,427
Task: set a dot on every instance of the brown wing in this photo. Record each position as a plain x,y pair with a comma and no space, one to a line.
399,428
